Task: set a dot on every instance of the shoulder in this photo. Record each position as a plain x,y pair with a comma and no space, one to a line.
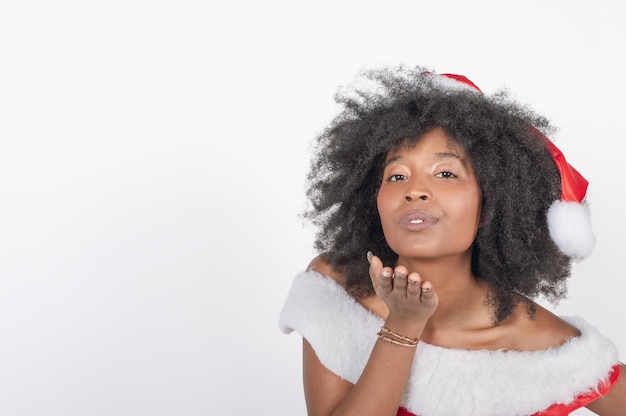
372,303
540,330
321,264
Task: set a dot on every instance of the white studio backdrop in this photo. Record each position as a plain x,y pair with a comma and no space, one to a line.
152,164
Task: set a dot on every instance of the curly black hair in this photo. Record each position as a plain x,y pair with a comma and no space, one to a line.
512,252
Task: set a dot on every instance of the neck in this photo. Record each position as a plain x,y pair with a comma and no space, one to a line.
461,294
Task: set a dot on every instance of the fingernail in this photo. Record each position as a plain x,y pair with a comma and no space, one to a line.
426,289
369,256
386,273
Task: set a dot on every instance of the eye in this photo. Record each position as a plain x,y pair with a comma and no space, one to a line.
445,175
396,178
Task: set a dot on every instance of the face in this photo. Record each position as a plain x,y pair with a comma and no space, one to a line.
429,200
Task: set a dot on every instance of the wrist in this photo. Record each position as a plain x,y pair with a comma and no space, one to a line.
392,337
412,330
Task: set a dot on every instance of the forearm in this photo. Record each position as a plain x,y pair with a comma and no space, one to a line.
407,303
382,383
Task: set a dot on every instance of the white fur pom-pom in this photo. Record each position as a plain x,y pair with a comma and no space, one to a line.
570,228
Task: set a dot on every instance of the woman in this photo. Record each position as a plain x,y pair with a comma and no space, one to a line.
471,212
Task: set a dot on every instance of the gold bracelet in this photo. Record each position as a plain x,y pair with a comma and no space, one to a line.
388,335
385,338
397,336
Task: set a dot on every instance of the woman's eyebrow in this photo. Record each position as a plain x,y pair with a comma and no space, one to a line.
437,155
444,155
391,160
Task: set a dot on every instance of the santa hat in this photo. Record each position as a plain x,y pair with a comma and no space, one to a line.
568,219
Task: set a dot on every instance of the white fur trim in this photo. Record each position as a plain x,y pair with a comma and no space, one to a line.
446,381
570,228
487,382
331,320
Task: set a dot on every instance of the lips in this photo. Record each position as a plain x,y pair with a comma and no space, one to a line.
417,220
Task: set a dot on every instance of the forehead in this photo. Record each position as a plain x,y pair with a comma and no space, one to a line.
434,141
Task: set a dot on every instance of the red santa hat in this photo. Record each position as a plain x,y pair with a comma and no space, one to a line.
568,218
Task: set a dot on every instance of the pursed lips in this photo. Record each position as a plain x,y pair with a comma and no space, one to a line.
417,220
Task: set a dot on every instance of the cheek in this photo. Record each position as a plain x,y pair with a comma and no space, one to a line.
385,215
384,211
380,206
383,202
471,206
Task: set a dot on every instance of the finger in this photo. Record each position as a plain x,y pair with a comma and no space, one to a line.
426,288
414,284
376,267
385,279
380,276
400,279
428,296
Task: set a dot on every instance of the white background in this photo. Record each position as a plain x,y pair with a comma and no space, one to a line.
152,165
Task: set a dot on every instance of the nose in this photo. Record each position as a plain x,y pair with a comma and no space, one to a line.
410,198
417,191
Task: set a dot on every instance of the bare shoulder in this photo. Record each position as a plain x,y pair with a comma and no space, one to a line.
541,330
372,303
321,265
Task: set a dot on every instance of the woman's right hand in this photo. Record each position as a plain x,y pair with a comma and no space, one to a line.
410,300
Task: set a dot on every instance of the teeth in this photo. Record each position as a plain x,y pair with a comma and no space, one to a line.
416,221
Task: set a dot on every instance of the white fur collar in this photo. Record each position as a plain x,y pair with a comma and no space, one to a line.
447,381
